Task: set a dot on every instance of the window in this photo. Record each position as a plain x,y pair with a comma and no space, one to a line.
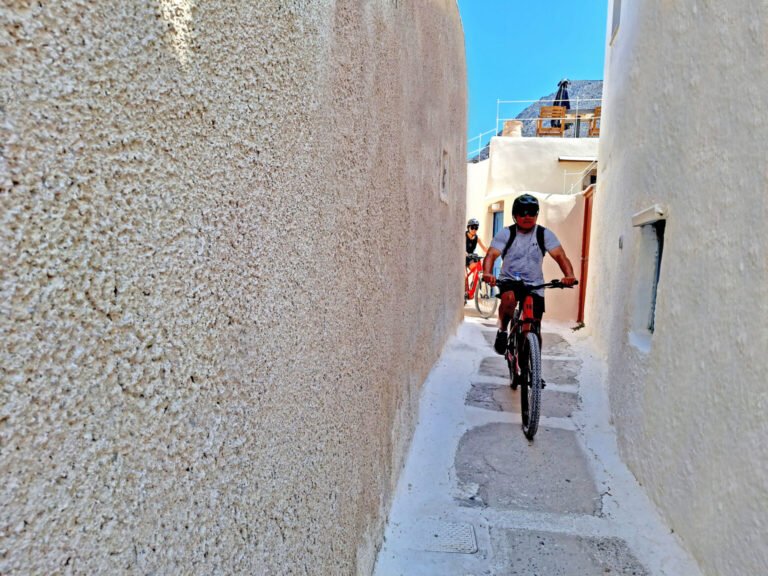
444,177
657,230
652,223
616,19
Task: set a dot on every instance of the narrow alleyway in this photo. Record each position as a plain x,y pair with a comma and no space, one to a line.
476,498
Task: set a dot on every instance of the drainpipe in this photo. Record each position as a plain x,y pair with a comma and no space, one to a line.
585,236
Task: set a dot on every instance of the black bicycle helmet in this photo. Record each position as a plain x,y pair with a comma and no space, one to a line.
526,201
473,222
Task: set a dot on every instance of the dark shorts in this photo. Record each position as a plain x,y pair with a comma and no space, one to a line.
472,258
509,285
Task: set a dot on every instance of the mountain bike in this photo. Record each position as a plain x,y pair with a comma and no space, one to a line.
524,353
474,288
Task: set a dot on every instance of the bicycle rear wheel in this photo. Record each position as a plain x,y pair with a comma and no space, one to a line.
530,385
485,299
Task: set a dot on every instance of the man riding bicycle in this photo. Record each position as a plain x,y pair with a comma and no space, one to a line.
522,248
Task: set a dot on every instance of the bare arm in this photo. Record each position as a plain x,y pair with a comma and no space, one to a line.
483,246
565,265
490,257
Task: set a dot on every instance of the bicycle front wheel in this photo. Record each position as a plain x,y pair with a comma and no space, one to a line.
530,389
485,299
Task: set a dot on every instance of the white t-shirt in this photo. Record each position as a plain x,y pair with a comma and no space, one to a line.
524,258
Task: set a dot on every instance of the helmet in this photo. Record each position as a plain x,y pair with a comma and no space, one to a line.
473,222
525,202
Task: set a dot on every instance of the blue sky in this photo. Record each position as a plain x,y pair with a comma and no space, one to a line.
520,49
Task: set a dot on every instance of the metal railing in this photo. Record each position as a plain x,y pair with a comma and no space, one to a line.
472,152
577,104
581,174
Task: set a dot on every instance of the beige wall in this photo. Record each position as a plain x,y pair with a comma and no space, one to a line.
531,165
523,164
683,126
214,325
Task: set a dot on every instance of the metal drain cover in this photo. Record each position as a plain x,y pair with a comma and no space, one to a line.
439,536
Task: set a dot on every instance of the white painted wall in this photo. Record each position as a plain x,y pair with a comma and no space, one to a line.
477,206
521,164
684,125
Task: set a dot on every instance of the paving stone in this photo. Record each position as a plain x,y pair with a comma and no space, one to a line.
547,475
560,371
555,345
490,336
501,398
554,404
522,552
494,366
491,396
554,371
552,344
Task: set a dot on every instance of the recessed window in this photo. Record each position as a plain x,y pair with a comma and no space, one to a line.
444,176
657,231
651,223
616,19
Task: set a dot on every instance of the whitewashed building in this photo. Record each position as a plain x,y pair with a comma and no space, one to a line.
678,274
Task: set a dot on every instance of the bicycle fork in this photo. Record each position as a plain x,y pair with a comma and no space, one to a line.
512,356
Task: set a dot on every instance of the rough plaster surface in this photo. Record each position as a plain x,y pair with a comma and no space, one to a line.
683,126
214,326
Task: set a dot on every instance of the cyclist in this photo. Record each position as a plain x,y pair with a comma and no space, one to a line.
473,240
522,248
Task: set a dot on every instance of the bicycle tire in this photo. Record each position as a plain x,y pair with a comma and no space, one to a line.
485,299
530,388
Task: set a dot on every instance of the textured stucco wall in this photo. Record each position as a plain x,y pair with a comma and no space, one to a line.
684,126
225,270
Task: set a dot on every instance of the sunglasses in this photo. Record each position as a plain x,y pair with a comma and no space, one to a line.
474,227
527,213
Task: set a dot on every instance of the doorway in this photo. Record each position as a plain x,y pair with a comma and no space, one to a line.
498,224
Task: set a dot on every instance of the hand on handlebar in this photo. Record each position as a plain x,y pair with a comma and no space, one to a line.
489,279
567,282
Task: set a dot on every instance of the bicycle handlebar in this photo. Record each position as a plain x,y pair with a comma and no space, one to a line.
530,287
556,284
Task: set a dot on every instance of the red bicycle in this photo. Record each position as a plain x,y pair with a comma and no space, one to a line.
524,353
483,293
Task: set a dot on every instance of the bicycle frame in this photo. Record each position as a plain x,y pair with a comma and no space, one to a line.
475,271
523,321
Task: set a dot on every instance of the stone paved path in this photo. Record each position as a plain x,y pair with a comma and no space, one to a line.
476,498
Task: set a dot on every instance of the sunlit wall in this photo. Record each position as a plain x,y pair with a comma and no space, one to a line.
683,143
